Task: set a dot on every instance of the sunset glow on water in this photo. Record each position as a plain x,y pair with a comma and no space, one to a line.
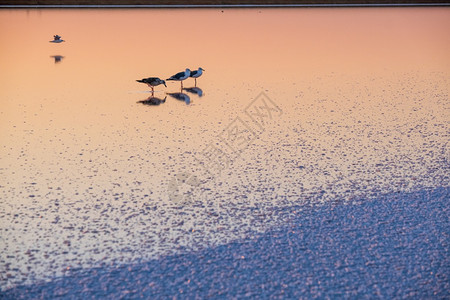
360,107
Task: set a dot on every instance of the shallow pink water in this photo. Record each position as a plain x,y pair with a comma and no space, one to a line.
361,98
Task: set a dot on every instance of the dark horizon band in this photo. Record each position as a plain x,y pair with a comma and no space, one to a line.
215,3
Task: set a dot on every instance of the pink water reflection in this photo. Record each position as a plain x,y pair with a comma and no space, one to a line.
364,95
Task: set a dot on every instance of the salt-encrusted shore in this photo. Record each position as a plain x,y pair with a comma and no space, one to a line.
393,246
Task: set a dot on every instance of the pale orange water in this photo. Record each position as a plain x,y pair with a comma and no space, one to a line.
362,107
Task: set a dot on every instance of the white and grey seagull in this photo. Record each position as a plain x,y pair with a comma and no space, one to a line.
152,82
57,39
180,76
196,74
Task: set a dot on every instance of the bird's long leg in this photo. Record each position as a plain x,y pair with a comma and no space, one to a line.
181,84
195,82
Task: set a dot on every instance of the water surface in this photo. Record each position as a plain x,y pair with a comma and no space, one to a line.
352,103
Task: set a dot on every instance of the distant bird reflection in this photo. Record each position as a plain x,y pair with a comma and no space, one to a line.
57,39
153,101
57,58
194,90
181,97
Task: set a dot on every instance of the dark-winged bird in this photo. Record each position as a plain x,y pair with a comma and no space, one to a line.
57,39
196,74
152,82
181,76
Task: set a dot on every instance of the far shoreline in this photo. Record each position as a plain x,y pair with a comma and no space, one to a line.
216,3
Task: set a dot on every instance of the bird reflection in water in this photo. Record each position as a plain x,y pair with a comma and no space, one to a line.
58,58
153,101
181,97
194,90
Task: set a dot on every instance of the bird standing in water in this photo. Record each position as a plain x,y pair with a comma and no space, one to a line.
180,76
57,39
152,82
196,74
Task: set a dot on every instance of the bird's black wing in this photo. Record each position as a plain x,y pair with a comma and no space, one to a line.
178,75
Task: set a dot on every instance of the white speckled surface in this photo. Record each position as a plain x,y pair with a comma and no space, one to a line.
85,169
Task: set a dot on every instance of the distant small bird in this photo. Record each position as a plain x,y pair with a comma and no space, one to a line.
152,82
180,76
57,39
196,74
